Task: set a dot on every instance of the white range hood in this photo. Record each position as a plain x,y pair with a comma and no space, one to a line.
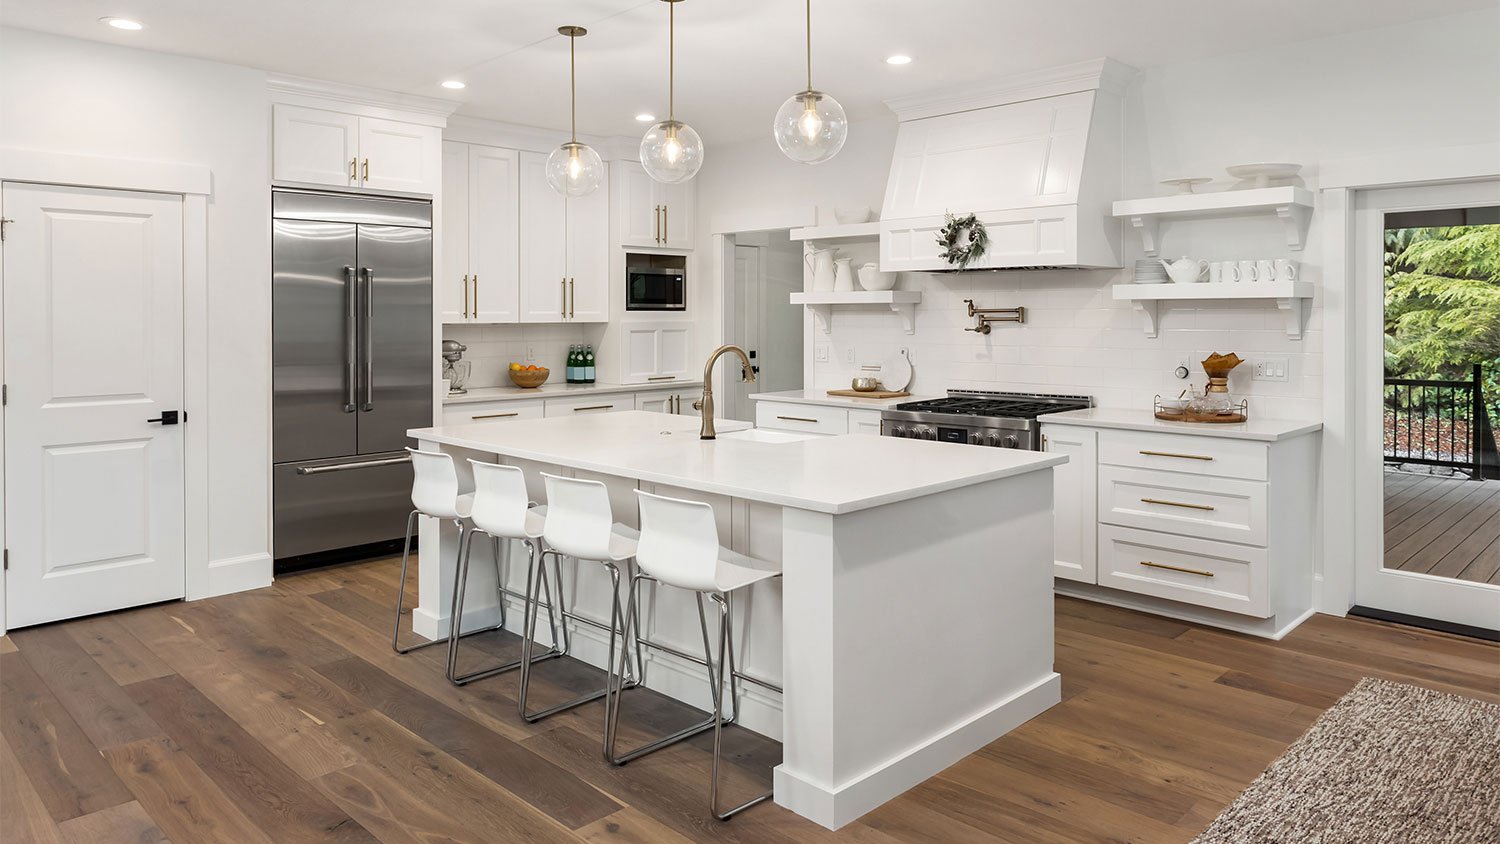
1038,158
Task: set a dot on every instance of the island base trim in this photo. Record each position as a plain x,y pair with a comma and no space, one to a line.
836,806
1273,628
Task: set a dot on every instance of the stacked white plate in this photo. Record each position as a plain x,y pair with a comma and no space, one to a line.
1150,271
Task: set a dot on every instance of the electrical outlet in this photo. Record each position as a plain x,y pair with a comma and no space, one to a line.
849,356
820,353
1271,369
531,354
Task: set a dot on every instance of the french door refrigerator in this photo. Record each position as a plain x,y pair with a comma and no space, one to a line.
352,369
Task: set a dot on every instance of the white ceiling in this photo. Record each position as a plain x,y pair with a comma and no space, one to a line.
736,59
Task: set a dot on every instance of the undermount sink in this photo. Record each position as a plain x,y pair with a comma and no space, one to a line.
763,435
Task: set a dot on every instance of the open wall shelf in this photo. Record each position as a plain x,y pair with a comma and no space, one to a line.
1290,296
1292,205
903,302
851,231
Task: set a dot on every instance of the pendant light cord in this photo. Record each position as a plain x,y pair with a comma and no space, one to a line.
573,84
671,61
809,45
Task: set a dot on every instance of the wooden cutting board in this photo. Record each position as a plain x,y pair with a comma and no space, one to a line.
873,394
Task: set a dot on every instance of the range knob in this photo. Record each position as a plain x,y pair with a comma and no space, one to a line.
1011,441
976,438
929,434
898,430
993,439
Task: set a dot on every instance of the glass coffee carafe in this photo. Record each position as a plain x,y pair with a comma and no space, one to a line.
1216,400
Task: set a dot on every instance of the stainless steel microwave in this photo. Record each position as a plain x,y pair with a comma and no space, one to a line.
655,288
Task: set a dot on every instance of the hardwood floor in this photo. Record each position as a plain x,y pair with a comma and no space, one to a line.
1449,527
282,716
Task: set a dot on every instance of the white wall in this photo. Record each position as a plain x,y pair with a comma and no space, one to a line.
1433,83
67,95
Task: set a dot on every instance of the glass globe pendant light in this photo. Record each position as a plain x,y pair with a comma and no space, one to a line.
810,126
671,151
574,169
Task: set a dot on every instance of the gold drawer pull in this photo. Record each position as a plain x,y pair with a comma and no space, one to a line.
798,419
1170,454
1208,507
1198,572
662,378
496,415
594,407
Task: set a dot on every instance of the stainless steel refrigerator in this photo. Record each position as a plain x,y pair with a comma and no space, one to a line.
352,369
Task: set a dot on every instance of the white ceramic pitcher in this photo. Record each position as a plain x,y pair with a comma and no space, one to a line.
820,262
843,274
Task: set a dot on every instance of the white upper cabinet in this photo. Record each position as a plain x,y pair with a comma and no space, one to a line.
564,249
452,288
324,147
650,213
494,234
655,352
313,145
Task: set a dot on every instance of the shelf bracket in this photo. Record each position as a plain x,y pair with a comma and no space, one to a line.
1296,315
823,315
1296,218
1147,226
908,313
1147,308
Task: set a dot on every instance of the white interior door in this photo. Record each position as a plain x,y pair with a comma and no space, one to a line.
749,284
93,352
1375,586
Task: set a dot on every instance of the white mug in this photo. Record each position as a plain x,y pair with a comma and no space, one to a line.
1286,270
1223,271
1248,272
1265,270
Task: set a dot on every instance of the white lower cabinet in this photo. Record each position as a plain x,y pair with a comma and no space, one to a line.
808,418
588,403
1220,575
864,422
491,411
656,352
679,402
1074,526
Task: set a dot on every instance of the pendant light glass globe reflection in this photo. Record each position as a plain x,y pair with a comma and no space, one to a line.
810,127
672,152
574,169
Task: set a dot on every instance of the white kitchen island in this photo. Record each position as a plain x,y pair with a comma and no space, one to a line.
912,625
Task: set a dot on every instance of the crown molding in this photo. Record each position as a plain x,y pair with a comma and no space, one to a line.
1103,74
369,102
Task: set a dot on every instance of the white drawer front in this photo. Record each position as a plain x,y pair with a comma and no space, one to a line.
864,422
801,417
1180,568
1185,453
494,411
1228,509
590,404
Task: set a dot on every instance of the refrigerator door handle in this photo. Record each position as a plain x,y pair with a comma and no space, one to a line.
369,398
351,330
359,464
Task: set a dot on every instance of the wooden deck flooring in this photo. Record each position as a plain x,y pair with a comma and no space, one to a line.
281,715
1449,527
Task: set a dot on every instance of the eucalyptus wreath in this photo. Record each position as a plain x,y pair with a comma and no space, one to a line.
962,239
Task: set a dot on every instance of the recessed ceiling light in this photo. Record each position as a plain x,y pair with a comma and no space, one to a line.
898,60
123,23
645,118
453,85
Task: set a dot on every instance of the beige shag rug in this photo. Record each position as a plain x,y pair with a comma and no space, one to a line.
1388,763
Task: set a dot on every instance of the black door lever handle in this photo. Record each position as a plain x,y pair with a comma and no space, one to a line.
168,417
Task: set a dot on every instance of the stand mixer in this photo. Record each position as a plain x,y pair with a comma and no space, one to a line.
455,368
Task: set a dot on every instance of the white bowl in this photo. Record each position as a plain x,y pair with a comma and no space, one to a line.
871,278
850,215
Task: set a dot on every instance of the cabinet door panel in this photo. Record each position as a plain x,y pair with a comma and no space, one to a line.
588,256
494,226
543,247
452,287
679,206
313,145
398,156
637,205
672,351
1075,552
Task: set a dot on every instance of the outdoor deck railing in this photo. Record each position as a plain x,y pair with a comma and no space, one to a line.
1437,423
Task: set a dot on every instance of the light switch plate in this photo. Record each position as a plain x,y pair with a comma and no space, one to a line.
820,353
849,355
1272,369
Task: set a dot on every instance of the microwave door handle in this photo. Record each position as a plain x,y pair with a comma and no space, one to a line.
369,402
351,339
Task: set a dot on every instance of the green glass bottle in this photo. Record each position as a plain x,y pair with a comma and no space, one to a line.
588,366
572,368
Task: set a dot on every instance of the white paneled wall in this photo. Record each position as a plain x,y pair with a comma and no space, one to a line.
493,347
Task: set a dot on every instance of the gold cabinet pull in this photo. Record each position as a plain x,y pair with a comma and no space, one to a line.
496,415
656,221
1173,454
354,169
798,419
572,297
594,407
1208,507
661,378
466,295
564,312
476,295
666,220
367,170
1198,572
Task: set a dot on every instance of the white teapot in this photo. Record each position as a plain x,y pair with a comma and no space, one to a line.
1185,270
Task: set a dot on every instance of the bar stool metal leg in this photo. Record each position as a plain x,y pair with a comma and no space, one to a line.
615,629
457,615
401,588
718,719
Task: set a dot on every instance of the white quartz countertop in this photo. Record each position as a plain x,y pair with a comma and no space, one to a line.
1263,430
562,389
821,397
835,475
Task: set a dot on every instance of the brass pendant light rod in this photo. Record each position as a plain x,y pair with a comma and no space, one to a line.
809,45
671,59
573,33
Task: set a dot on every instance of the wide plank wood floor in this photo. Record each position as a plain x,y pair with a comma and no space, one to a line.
281,715
1443,526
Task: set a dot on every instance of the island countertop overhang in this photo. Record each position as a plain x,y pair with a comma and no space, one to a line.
835,475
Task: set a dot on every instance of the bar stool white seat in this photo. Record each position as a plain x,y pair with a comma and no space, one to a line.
580,524
499,509
679,546
435,493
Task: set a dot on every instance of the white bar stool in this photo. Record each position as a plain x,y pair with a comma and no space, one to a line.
679,546
579,524
500,510
435,493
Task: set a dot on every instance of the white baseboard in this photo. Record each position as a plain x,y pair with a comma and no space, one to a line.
835,806
1272,628
228,575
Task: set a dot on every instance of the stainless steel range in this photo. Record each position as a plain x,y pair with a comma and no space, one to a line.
978,417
